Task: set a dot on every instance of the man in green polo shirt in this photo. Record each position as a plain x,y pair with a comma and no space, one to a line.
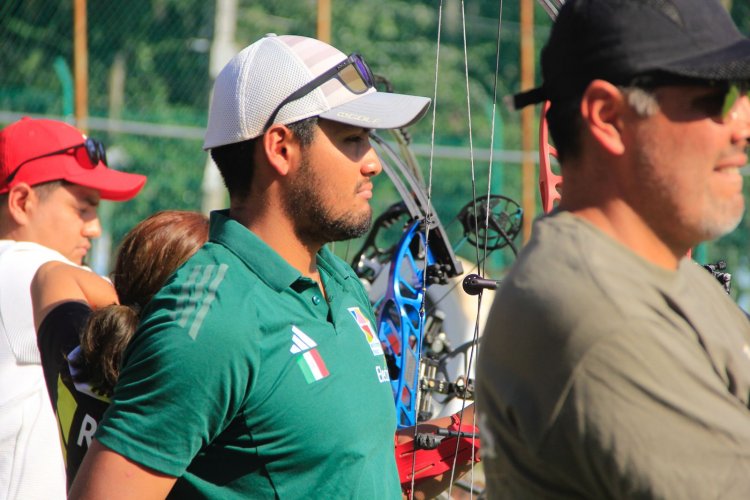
255,372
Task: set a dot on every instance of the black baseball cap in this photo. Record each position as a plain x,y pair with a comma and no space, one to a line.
617,40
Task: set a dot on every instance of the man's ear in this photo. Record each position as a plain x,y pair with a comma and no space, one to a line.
21,201
602,108
281,148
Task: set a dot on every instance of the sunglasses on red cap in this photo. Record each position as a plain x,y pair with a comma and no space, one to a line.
94,149
353,72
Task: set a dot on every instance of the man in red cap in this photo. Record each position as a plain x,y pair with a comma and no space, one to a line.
51,180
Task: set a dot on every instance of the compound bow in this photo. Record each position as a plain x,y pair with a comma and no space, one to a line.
417,349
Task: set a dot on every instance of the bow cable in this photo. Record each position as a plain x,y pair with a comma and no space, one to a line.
476,224
481,261
428,223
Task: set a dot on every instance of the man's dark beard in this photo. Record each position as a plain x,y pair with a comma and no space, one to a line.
313,220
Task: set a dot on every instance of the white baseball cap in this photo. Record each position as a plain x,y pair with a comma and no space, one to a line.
268,82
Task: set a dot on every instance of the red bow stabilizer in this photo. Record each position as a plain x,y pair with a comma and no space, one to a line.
435,452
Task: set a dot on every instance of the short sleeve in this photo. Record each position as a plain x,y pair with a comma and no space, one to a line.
18,265
177,391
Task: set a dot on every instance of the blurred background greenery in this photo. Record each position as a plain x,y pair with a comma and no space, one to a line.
149,83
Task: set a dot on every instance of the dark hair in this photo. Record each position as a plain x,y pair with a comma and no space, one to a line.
235,161
44,189
148,255
564,123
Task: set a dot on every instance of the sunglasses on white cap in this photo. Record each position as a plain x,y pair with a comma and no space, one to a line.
353,72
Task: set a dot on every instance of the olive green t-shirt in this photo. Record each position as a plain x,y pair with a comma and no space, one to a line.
244,381
601,375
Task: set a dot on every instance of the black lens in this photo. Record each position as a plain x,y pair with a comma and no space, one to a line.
102,152
96,152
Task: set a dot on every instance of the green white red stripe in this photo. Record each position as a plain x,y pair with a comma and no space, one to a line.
309,360
312,365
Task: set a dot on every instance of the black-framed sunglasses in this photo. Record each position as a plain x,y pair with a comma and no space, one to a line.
733,91
94,149
353,72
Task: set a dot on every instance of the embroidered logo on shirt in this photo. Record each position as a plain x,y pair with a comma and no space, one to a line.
309,360
366,327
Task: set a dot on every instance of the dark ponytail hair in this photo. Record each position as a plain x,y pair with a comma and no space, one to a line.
148,255
103,340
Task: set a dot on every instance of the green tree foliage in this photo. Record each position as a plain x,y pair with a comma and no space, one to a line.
162,46
161,50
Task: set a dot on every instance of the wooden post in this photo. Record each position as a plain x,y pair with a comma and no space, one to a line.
528,131
223,48
324,21
80,64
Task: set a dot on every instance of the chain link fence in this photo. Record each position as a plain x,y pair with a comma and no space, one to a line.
149,80
148,86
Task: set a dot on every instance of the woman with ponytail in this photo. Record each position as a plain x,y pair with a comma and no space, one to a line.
84,322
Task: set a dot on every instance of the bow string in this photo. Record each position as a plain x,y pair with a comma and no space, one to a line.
398,274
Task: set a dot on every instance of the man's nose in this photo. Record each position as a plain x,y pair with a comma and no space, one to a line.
371,164
740,119
92,228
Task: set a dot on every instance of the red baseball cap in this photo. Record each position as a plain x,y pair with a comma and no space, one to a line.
39,150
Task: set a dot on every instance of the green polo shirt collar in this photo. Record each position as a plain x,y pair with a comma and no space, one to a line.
262,259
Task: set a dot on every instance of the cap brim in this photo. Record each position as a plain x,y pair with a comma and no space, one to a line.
380,110
527,97
731,63
111,184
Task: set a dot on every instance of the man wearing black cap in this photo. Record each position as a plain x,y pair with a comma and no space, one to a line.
613,366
